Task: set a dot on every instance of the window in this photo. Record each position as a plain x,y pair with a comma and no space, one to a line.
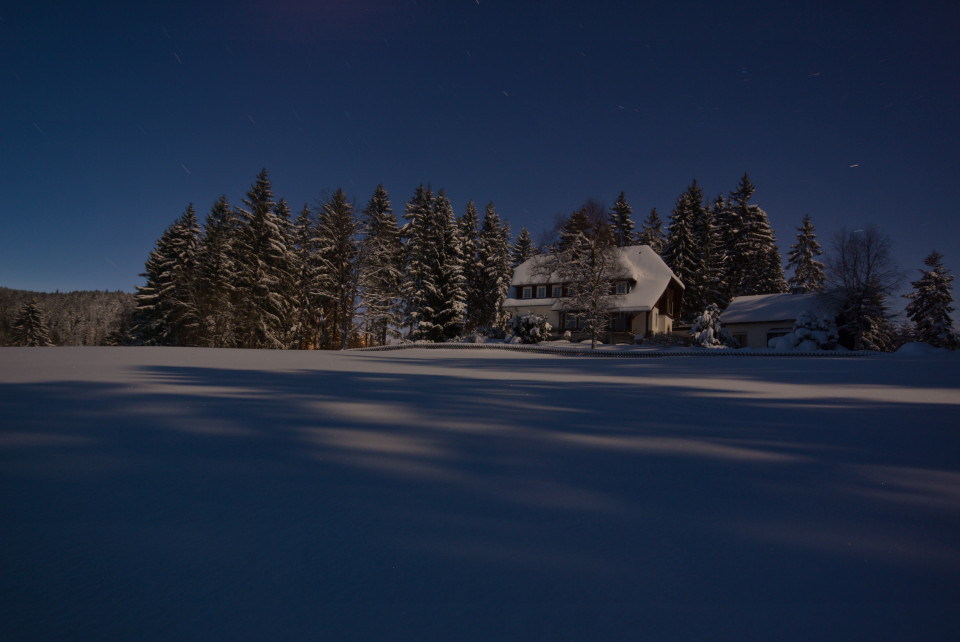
741,338
669,305
557,291
570,321
622,287
541,291
527,292
618,322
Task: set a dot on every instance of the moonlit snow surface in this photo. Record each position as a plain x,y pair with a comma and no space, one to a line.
190,494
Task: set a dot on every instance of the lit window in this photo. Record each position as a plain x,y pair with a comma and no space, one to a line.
541,291
527,292
622,287
557,291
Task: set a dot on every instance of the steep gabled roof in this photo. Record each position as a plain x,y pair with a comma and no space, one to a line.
640,264
764,308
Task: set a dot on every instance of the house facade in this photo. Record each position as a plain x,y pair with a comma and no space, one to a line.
644,299
756,320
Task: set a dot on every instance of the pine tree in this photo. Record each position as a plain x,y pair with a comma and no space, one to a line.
469,232
217,275
808,273
576,228
305,302
751,254
149,326
167,311
522,248
184,313
681,253
493,255
652,233
620,222
338,266
29,328
446,301
264,271
382,272
695,295
417,275
929,306
714,257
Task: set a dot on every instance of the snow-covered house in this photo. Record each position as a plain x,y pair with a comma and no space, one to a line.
754,320
645,300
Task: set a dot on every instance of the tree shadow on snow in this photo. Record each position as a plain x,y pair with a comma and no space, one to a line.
399,496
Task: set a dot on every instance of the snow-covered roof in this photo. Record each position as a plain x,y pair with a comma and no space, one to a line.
640,265
761,308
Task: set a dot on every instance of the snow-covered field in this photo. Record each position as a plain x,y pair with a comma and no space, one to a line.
176,494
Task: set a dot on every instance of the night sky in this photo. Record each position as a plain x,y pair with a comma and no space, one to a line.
114,118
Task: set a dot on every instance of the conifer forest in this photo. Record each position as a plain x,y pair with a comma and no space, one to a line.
259,274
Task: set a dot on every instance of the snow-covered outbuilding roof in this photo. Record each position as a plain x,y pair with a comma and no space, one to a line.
640,265
765,308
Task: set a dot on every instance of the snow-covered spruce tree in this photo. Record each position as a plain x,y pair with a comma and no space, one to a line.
338,267
575,230
707,332
493,255
682,254
217,275
752,256
418,278
861,274
446,302
264,270
469,231
929,306
149,316
185,315
287,288
29,328
381,275
167,312
699,291
621,225
652,233
522,248
808,273
715,257
305,300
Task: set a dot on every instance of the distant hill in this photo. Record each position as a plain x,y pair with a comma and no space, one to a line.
83,318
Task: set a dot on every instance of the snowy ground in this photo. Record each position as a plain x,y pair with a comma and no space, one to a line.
433,495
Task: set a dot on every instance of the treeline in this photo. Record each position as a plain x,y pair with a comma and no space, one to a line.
255,276
83,318
719,249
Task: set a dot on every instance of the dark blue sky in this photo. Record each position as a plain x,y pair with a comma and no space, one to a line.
114,118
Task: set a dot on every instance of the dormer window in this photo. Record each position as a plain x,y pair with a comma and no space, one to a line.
541,292
527,292
557,291
621,287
